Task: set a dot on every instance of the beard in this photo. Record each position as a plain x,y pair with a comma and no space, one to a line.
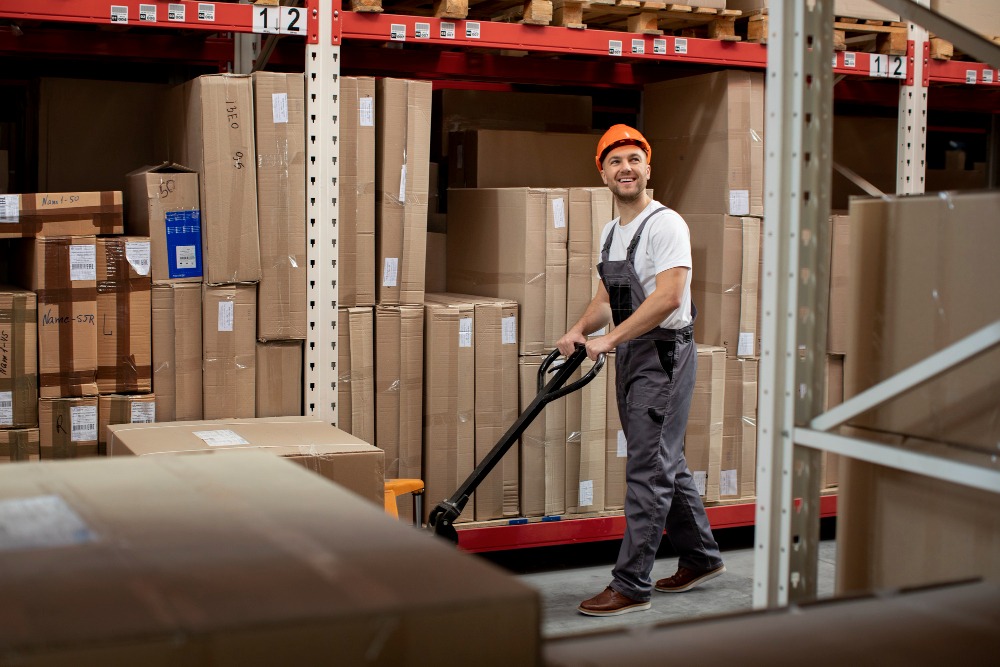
628,197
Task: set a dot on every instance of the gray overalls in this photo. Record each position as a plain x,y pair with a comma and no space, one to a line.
655,381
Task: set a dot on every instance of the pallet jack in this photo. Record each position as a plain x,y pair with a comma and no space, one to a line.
441,520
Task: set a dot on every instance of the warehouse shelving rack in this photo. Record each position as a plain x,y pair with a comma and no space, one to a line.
799,95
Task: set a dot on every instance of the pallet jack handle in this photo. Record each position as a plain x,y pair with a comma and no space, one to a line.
442,518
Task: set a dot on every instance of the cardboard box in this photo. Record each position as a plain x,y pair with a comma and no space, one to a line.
19,444
271,575
436,272
399,386
63,273
505,110
67,427
616,446
310,442
60,214
498,159
920,272
525,260
229,350
589,210
279,378
738,467
18,358
839,306
700,128
982,16
449,400
121,409
124,348
177,351
543,450
279,103
586,445
724,284
403,135
356,227
356,372
860,9
834,397
703,439
163,204
209,122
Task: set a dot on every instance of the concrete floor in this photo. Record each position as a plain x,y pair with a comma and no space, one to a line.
567,575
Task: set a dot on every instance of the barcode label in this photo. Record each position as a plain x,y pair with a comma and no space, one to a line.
622,444
279,107
701,481
390,271
137,254
422,31
119,14
175,12
40,522
147,13
508,330
559,213
10,208
143,413
366,112
83,262
587,493
465,332
83,423
6,408
206,11
225,316
187,258
727,483
221,438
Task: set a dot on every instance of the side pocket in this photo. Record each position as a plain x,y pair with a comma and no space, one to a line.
665,352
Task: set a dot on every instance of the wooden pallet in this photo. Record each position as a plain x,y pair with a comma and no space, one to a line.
941,49
851,34
647,17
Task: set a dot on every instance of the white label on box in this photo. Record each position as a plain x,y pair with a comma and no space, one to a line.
587,493
622,444
187,258
175,12
745,346
559,212
680,46
225,316
639,46
660,47
472,30
508,330
739,202
402,183
447,30
206,11
82,262
83,423
137,254
147,13
6,408
279,107
422,31
10,208
701,481
41,522
970,76
144,412
849,59
119,14
397,32
222,437
727,483
465,332
614,47
366,112
390,271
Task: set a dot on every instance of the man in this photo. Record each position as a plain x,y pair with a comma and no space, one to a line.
646,291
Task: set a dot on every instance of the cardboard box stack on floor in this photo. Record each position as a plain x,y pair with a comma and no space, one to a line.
18,358
543,449
586,422
356,226
19,444
356,372
704,437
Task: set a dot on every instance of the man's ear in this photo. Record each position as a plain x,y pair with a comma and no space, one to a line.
604,177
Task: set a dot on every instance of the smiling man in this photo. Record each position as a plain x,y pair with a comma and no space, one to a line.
645,290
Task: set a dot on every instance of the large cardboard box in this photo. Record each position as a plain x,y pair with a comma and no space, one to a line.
63,272
279,118
310,442
449,400
356,227
435,272
177,351
403,136
839,306
724,285
498,159
18,358
738,467
356,372
60,214
67,427
543,450
19,444
524,259
703,439
861,9
243,559
399,387
590,209
229,350
586,420
124,352
922,273
983,16
616,446
122,409
706,133
163,204
209,125
279,378
834,397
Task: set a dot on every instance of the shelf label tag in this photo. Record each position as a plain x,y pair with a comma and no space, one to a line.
834,59
290,21
891,67
660,47
472,30
147,13
970,76
614,47
639,46
849,60
680,46
447,30
265,20
206,11
987,76
175,12
119,14
422,31
397,32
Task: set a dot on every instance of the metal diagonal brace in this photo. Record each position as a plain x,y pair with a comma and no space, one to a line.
971,42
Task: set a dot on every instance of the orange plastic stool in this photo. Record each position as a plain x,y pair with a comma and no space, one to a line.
398,487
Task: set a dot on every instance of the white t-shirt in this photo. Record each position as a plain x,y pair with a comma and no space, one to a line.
665,244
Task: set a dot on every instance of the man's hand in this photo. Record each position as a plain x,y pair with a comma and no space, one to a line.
598,346
567,344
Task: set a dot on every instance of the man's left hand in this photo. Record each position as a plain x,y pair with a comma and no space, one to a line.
598,346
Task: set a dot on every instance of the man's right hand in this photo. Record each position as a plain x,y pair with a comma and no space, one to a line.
567,344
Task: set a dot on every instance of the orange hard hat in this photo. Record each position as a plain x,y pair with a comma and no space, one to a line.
618,135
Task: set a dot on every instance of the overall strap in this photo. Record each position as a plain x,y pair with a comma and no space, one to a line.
638,233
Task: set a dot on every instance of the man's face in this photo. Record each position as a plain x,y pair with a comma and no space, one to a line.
626,172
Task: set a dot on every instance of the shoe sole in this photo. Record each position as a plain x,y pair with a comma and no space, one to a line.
616,612
708,576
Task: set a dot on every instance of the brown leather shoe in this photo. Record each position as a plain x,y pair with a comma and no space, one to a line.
611,603
685,579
